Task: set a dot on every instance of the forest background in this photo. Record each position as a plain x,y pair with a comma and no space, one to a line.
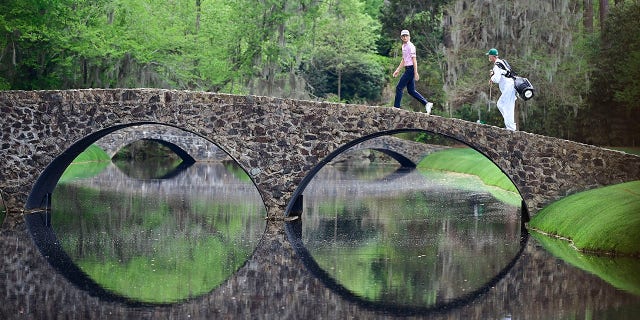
582,56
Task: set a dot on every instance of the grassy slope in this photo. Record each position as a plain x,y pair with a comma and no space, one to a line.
469,161
87,164
601,220
91,154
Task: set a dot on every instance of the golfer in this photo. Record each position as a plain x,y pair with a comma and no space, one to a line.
410,75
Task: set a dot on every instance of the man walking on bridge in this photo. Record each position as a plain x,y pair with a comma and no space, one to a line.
410,75
507,101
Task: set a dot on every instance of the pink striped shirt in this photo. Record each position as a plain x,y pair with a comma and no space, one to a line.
408,53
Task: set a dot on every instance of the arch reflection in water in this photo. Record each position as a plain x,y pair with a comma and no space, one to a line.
410,242
172,162
159,241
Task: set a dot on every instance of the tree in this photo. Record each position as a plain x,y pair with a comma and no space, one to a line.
34,36
614,109
619,65
604,11
588,16
422,18
345,36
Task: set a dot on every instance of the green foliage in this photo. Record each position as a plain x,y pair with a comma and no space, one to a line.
32,42
600,220
361,79
486,114
619,66
421,18
586,83
343,62
613,113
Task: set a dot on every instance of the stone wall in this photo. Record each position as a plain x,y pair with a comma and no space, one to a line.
279,142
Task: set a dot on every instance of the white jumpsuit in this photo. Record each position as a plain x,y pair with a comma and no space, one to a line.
507,101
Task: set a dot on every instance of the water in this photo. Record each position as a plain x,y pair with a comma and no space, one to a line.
416,239
372,242
159,240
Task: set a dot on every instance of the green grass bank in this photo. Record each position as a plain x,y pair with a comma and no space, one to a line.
604,220
87,164
469,161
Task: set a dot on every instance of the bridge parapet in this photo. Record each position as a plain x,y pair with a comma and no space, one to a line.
279,142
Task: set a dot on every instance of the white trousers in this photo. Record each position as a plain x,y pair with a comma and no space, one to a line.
507,106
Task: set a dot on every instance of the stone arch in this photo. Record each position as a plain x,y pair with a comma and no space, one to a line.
407,153
47,180
294,206
183,154
196,147
293,231
38,221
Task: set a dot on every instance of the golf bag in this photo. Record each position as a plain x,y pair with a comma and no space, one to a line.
523,86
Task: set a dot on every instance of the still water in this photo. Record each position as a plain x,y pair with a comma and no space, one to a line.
159,240
372,242
408,239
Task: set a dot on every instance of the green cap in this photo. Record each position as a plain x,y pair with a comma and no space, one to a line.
492,52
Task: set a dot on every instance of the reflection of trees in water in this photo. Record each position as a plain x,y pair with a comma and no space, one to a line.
188,239
407,239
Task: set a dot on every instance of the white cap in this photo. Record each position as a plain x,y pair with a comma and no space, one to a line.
403,32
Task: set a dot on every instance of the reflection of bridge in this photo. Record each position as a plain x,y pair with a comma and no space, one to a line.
407,153
214,179
274,284
210,179
280,143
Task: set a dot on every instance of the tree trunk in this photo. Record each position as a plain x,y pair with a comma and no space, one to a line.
339,83
588,16
198,10
604,11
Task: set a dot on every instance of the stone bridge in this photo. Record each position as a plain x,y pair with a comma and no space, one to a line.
196,148
280,143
